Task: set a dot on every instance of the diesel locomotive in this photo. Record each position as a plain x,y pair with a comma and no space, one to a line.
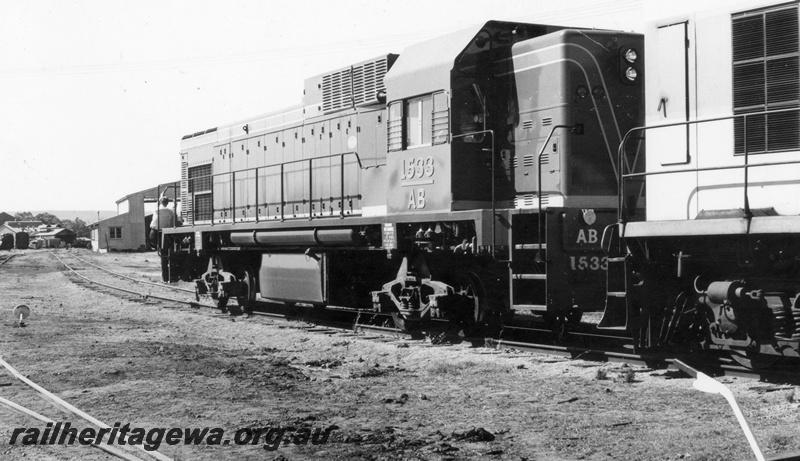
470,176
529,170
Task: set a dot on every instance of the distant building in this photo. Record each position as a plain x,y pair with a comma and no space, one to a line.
21,230
5,217
128,231
54,236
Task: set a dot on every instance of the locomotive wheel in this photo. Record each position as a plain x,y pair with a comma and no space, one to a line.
248,299
754,360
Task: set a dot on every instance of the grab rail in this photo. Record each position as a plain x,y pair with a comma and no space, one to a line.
260,172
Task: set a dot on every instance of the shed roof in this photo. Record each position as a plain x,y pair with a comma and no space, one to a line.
23,224
16,227
57,232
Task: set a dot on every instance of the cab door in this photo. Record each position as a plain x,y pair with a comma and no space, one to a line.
672,103
669,99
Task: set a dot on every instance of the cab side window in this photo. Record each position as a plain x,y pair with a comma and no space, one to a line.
419,114
419,121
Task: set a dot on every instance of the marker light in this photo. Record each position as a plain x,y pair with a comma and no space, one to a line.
631,74
631,55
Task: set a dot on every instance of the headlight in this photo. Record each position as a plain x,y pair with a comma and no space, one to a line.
631,55
583,92
631,74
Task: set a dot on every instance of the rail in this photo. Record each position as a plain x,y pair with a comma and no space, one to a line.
124,290
132,279
68,408
746,166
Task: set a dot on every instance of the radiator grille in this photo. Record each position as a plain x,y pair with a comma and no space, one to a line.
185,193
354,86
199,178
766,77
368,81
337,91
197,195
202,207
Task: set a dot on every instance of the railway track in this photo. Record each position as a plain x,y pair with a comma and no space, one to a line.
6,258
114,282
369,326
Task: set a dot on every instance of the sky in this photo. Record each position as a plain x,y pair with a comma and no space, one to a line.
96,95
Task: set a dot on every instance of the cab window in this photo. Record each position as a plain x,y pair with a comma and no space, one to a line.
419,121
419,114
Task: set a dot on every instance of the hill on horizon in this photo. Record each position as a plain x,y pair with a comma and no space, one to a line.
86,215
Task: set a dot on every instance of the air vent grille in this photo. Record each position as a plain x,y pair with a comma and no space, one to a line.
527,201
337,91
766,77
354,86
185,205
528,160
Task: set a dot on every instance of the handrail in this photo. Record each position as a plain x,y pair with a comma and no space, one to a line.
622,176
282,166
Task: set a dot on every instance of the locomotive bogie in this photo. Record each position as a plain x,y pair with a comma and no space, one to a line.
737,293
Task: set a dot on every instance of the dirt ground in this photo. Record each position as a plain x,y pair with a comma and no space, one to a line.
166,366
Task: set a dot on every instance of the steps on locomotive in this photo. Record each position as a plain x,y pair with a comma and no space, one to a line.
528,263
615,315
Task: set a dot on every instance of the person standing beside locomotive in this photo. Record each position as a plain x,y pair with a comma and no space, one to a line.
164,217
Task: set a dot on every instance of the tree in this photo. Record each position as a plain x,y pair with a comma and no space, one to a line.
47,218
24,216
78,226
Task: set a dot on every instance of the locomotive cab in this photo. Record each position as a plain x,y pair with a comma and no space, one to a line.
502,95
535,115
